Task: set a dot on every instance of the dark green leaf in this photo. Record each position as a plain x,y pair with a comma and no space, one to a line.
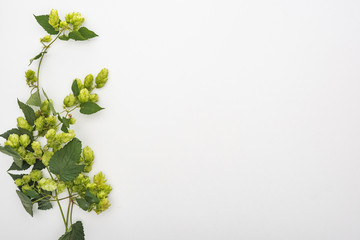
86,33
89,108
15,167
50,104
76,232
18,131
32,193
11,152
64,161
91,198
65,123
43,20
75,88
38,165
16,176
83,204
64,37
44,204
28,112
77,36
26,202
36,57
34,99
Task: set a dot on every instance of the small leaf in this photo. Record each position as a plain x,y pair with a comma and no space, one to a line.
83,204
44,204
26,202
43,20
76,232
75,88
65,123
32,193
64,37
77,36
91,198
50,103
36,57
18,131
64,162
15,167
38,165
28,112
89,108
34,99
12,153
86,33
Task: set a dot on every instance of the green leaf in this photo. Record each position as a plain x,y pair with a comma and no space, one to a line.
34,99
28,112
76,232
65,123
50,104
89,108
38,165
77,36
91,198
75,88
64,37
43,20
26,202
32,193
64,162
86,33
83,204
18,131
44,204
36,57
16,176
15,167
12,153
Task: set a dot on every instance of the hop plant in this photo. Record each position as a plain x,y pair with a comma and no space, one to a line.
44,141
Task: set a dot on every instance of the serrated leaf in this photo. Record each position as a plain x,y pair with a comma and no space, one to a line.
91,198
18,131
75,88
12,153
83,204
77,36
36,57
50,103
64,37
15,167
64,162
89,108
86,33
16,176
65,123
26,202
34,99
28,112
44,204
32,193
76,232
43,20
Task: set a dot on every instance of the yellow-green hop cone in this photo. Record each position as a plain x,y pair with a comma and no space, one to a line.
94,97
22,123
65,137
45,107
36,146
64,25
13,141
18,182
102,194
79,83
47,38
69,100
99,179
26,179
102,205
50,134
88,168
61,187
30,77
88,154
26,188
84,95
72,120
21,151
48,184
25,140
102,78
89,81
51,121
46,157
54,19
30,158
35,175
39,123
75,19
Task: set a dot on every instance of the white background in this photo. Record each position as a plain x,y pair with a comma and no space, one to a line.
223,120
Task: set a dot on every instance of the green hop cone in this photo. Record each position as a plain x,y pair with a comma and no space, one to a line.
35,175
89,81
54,19
25,140
75,19
102,78
18,182
61,187
88,154
50,134
39,123
46,157
72,120
13,141
22,123
84,95
36,146
26,188
21,151
69,100
94,97
30,158
30,77
47,38
47,184
102,205
64,25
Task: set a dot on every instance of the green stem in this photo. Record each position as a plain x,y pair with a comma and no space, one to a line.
71,212
41,198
